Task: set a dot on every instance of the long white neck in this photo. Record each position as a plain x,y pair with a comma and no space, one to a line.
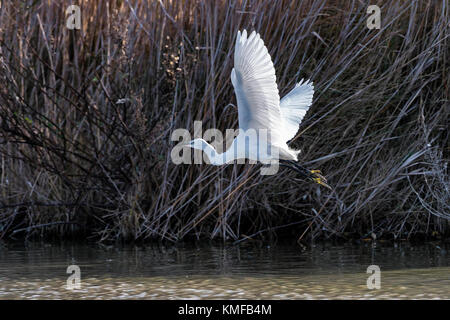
214,157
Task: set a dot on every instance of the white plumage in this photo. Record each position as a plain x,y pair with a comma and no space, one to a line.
294,106
259,105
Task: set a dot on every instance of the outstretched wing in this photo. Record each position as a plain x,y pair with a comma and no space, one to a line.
294,106
254,81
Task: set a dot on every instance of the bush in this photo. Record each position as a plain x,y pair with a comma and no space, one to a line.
87,116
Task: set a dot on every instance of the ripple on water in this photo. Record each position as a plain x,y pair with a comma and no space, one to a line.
324,272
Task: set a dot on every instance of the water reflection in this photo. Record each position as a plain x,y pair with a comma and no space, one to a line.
211,271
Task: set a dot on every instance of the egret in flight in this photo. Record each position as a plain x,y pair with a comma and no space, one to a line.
260,109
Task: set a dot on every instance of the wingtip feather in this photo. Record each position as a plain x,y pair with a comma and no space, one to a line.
244,35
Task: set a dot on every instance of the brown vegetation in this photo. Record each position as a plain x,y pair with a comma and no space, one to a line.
74,161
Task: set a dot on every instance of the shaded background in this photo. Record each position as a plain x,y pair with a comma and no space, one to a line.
74,162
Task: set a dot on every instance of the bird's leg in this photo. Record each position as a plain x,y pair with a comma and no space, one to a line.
309,175
295,167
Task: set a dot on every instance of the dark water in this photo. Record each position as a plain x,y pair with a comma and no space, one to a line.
38,271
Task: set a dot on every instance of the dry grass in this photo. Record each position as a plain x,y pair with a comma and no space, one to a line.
73,161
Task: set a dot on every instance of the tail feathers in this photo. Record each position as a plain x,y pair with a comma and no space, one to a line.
296,153
291,154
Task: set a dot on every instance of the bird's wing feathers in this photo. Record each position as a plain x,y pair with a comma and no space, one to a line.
294,106
254,81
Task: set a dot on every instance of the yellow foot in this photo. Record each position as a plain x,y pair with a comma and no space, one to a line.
322,182
318,175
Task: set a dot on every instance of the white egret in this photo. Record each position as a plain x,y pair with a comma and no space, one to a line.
260,109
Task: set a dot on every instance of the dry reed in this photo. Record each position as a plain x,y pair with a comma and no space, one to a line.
74,161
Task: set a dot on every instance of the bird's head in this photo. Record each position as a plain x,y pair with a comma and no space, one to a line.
204,146
196,144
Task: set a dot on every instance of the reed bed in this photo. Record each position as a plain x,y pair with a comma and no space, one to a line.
87,117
